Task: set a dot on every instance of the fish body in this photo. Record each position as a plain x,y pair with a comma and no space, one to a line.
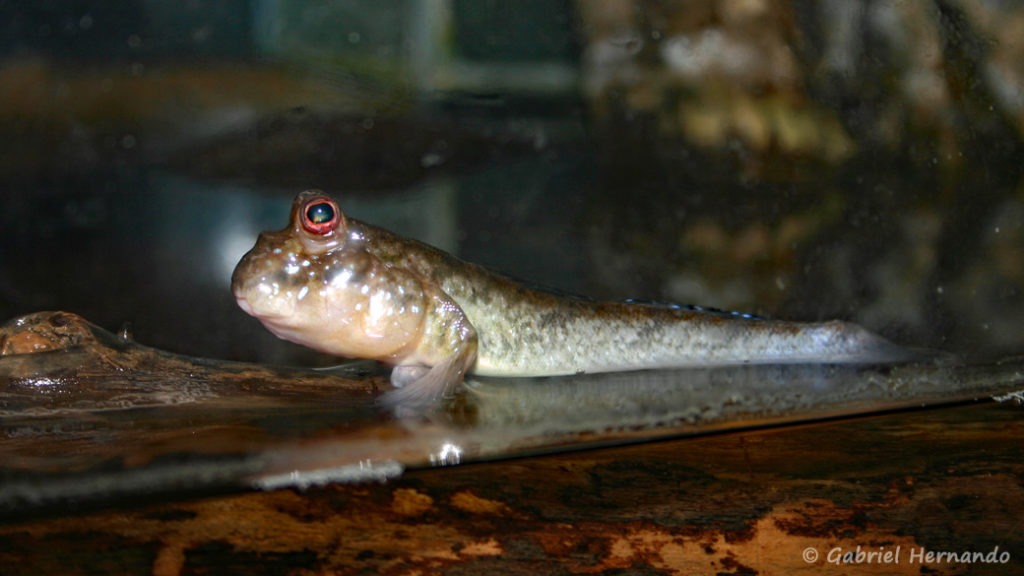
352,289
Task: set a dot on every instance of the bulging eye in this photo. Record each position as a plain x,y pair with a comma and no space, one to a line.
321,216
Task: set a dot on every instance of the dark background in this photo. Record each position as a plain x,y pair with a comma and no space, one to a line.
805,160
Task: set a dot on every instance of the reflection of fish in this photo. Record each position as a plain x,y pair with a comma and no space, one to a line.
727,395
348,288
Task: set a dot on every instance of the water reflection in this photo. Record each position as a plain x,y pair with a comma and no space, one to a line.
363,471
703,397
450,454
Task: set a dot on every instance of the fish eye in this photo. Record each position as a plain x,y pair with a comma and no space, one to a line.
320,216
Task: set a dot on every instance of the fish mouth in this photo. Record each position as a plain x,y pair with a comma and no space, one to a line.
244,304
261,315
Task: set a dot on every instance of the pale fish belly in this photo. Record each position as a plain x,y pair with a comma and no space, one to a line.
593,344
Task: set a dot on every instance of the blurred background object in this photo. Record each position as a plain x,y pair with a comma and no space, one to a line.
837,159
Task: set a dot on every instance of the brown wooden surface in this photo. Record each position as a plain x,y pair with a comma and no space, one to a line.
749,503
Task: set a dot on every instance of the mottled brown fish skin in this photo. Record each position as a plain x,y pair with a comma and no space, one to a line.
528,332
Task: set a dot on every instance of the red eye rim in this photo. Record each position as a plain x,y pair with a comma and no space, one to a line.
320,215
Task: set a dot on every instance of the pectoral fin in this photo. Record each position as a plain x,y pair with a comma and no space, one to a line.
422,389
